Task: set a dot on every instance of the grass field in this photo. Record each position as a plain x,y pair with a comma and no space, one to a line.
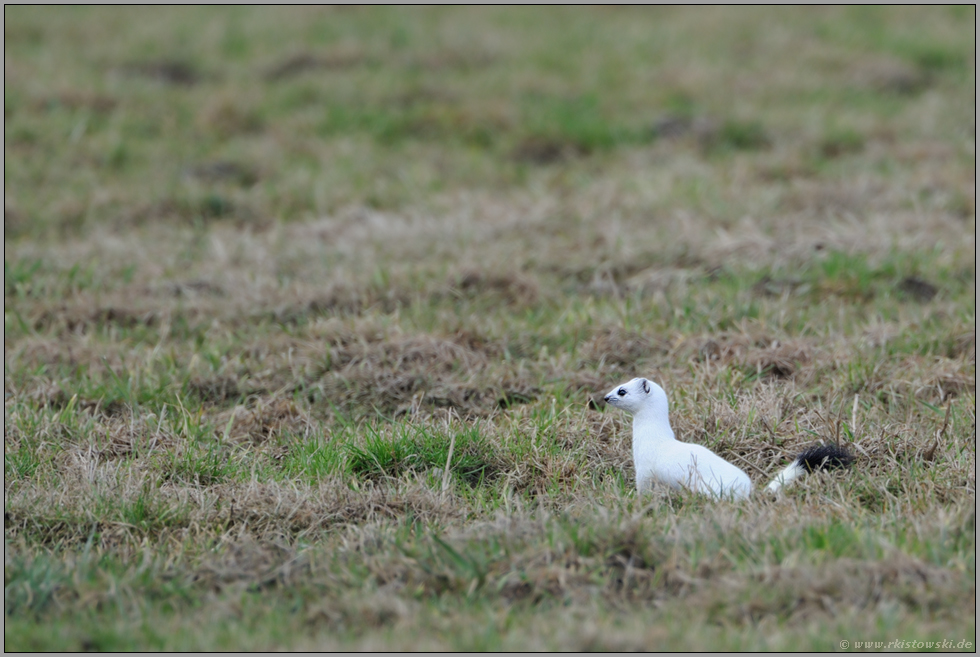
308,314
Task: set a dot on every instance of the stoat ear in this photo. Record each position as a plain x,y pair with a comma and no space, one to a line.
646,386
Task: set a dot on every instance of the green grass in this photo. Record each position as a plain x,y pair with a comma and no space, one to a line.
419,450
308,314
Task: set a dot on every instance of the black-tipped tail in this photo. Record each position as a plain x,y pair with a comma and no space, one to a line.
817,457
824,457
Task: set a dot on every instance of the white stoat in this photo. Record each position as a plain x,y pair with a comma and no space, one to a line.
659,457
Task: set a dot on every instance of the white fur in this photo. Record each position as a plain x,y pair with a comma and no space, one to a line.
659,457
790,473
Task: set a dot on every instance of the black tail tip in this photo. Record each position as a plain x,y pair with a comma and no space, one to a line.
824,457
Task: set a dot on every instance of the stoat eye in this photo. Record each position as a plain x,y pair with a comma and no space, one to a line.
621,392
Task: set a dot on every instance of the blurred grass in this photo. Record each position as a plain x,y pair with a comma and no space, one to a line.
387,106
263,265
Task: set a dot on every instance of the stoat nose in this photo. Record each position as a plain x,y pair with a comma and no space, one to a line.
607,398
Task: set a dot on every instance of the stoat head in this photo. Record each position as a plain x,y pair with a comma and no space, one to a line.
639,395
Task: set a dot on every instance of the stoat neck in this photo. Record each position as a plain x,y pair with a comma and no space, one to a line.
651,427
651,434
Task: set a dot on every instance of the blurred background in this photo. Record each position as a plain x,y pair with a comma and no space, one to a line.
125,117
